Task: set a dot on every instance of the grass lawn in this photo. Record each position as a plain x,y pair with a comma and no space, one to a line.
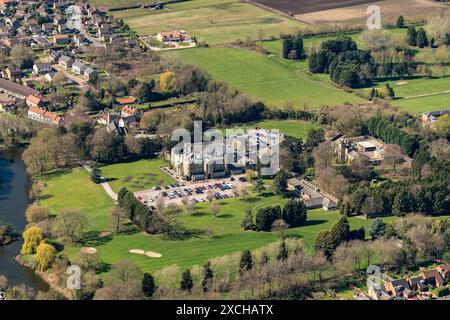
76,190
293,128
213,21
137,175
226,236
428,103
268,78
119,3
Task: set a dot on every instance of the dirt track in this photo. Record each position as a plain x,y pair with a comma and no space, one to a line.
306,6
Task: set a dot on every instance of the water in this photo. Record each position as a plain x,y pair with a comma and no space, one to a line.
13,203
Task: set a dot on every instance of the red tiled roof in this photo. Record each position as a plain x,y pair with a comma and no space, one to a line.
46,114
34,99
129,110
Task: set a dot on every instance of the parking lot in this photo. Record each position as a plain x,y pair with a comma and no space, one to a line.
193,191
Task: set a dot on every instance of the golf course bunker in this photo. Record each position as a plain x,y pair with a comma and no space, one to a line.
401,83
150,254
88,250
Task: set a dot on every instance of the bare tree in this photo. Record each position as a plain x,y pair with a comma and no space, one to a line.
118,215
215,208
280,226
210,196
393,155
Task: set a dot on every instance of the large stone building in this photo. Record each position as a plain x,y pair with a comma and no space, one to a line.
368,148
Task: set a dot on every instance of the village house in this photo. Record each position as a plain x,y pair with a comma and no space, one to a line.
49,76
6,102
47,28
42,42
90,74
8,3
65,62
78,39
42,68
33,101
432,116
368,148
12,72
432,277
61,39
17,90
126,100
42,115
311,194
78,67
174,36
54,55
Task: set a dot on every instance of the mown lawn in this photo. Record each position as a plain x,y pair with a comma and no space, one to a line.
428,103
267,78
293,128
119,3
75,190
137,175
213,21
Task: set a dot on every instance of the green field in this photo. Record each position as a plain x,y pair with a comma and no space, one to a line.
267,78
422,104
213,21
137,175
293,128
119,3
75,190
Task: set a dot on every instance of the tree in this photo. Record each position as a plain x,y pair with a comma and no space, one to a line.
215,208
208,276
259,185
96,175
323,155
167,81
32,237
36,213
148,285
146,92
377,229
411,37
400,22
265,217
294,213
186,283
392,155
124,282
21,56
283,252
70,225
116,220
280,226
246,262
287,48
247,223
45,256
422,39
280,182
442,126
210,196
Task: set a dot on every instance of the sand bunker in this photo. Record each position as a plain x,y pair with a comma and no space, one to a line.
88,250
401,83
149,254
152,254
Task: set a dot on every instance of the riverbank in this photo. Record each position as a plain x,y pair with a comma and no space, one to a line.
14,200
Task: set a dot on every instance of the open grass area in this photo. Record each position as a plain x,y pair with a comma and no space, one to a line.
75,190
137,175
119,3
422,104
223,233
226,235
293,128
267,78
213,21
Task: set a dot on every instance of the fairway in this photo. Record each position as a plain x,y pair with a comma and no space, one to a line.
294,128
76,190
222,234
213,21
267,78
137,175
422,104
119,3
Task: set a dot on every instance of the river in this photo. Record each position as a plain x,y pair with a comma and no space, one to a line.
14,200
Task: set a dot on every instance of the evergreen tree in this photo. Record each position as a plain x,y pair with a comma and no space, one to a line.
280,182
186,283
377,229
287,47
345,208
259,185
298,48
283,252
422,39
207,276
400,22
246,262
148,285
294,213
247,223
411,37
339,232
265,258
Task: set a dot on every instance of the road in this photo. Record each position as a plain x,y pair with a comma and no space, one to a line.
74,22
81,82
